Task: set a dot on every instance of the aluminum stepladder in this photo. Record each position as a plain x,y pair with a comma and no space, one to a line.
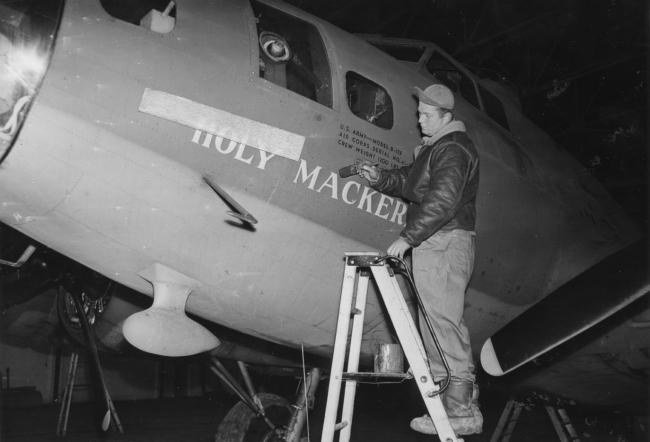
407,333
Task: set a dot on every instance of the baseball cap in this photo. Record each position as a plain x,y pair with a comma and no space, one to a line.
436,95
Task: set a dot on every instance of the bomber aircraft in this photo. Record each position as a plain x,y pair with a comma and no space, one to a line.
189,151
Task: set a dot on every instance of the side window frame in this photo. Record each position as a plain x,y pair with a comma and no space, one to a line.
496,110
493,107
459,86
276,62
368,100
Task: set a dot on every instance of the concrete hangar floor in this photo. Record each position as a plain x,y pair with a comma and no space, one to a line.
382,413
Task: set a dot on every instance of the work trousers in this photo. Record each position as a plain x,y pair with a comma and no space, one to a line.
442,267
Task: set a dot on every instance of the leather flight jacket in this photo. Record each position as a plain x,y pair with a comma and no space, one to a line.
440,187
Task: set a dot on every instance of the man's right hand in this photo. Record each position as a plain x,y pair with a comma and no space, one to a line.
368,170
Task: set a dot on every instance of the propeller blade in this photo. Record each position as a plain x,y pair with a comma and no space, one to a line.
106,422
584,301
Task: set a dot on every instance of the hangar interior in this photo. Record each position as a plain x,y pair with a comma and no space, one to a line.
585,88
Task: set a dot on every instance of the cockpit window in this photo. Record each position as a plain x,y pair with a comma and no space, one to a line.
292,54
452,77
401,52
458,81
368,100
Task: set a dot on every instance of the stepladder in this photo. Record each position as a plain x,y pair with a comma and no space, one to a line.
510,416
359,268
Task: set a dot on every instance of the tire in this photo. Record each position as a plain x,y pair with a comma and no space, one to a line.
241,424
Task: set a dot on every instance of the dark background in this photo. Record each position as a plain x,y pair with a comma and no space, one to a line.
578,68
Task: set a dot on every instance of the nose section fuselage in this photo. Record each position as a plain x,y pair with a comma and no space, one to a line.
27,34
118,189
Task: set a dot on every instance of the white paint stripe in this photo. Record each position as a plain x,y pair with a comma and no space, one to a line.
221,123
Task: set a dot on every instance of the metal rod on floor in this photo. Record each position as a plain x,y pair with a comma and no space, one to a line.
64,411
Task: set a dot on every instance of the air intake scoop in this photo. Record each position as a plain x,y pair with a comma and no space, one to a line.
164,328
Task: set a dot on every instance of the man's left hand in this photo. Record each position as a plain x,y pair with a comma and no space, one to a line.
398,248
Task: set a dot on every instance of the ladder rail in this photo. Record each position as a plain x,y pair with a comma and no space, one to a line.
427,319
409,337
566,423
354,353
510,429
503,420
338,358
557,425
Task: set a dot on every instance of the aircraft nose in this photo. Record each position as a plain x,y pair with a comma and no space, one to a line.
24,56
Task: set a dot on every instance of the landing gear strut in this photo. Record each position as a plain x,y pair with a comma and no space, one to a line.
263,417
81,308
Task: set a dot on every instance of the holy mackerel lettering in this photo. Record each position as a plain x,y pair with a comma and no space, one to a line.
351,192
243,153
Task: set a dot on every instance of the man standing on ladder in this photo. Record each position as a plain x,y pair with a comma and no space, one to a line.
440,186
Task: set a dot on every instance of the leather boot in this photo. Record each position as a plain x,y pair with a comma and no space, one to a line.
461,404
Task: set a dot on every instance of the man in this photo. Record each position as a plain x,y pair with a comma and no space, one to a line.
440,186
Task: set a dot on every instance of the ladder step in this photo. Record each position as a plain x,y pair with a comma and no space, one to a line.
341,425
374,377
